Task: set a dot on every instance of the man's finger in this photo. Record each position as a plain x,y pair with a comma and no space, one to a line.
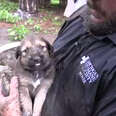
14,86
14,97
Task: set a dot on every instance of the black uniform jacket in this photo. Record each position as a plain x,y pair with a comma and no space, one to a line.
85,82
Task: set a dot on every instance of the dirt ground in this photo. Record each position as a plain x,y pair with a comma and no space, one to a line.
50,21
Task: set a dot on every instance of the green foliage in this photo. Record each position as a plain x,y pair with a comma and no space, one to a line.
57,21
30,21
18,32
37,27
9,6
55,2
8,17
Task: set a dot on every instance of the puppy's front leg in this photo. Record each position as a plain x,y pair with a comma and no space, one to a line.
40,97
26,102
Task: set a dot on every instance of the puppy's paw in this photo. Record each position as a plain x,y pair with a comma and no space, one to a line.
27,114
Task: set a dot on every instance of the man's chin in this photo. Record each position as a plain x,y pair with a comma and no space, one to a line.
97,26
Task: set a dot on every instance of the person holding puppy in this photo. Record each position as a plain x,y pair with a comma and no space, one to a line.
85,50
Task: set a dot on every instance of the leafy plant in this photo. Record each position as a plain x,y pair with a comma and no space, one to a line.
18,32
8,17
30,21
37,27
57,21
45,18
9,6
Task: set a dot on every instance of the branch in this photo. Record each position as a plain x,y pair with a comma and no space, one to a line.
9,46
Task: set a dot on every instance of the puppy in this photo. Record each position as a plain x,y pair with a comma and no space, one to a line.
35,68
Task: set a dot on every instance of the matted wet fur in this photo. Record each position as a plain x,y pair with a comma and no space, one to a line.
35,68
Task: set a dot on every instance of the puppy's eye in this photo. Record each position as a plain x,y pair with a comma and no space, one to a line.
24,52
44,48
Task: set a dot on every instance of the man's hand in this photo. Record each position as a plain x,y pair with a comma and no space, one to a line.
10,105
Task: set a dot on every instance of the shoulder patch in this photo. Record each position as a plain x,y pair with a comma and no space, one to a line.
88,73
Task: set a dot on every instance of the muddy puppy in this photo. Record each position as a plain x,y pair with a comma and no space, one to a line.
35,68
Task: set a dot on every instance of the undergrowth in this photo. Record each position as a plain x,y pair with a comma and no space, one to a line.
9,6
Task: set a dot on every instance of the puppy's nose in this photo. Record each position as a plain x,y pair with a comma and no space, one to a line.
36,59
34,62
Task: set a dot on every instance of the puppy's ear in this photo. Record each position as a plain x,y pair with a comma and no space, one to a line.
49,47
18,52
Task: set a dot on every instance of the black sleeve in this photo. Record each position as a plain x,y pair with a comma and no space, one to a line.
105,102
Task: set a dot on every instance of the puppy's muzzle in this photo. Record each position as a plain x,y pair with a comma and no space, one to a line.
35,62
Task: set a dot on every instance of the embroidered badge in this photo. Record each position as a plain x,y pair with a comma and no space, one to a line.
88,73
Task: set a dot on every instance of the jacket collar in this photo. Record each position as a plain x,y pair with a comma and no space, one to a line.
111,37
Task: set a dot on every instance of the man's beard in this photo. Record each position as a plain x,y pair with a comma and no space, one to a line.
100,29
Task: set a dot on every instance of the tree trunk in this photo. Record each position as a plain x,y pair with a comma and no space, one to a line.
63,2
30,6
27,8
